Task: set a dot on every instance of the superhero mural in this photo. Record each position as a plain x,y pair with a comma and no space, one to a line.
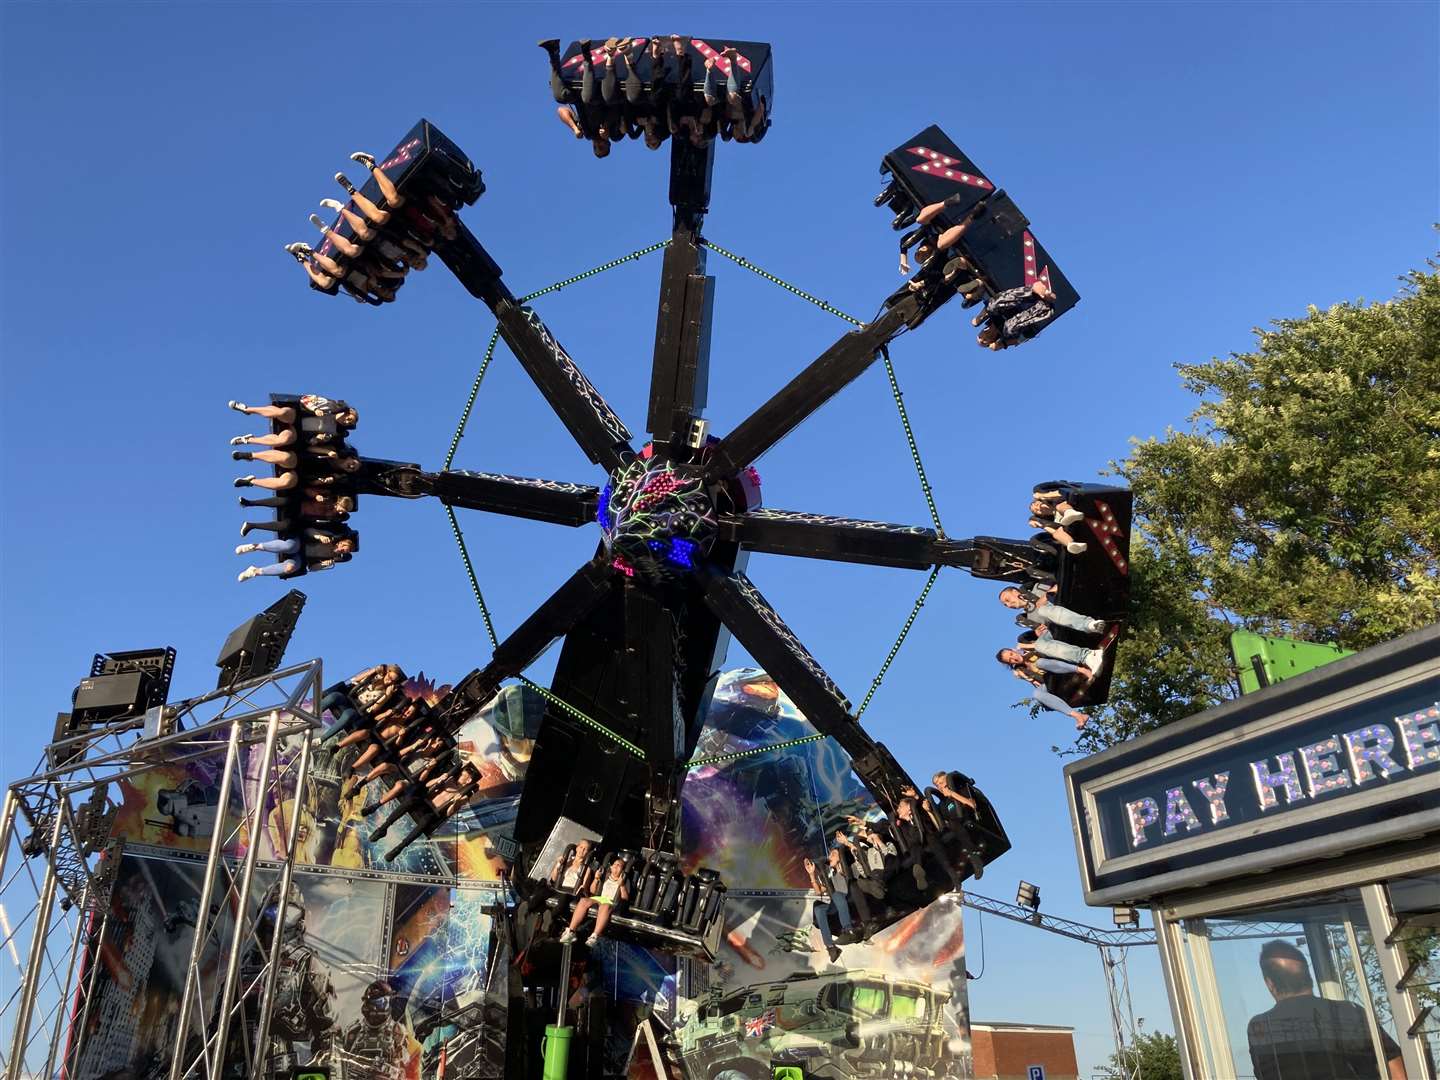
893,1005
329,956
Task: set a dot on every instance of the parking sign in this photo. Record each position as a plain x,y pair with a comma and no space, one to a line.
1037,1072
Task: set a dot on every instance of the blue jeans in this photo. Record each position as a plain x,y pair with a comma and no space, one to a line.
820,917
712,82
842,909
1050,701
1057,667
279,547
1063,650
1063,616
275,569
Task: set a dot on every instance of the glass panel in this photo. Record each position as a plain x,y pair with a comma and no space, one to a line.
1292,992
1415,902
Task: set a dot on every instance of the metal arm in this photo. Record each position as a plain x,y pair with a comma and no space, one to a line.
515,496
826,376
775,647
877,543
680,373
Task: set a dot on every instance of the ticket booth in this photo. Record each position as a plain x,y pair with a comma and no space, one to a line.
1288,845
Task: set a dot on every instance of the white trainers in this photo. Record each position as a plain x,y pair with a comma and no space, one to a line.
1077,548
568,937
591,941
248,573
1069,517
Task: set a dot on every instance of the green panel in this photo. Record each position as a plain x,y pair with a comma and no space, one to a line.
1265,660
789,1072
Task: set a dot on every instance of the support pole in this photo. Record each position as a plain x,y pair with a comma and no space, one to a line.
247,872
267,1003
203,926
35,960
60,1006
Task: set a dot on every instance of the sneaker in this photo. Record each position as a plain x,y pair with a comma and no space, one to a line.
834,954
238,406
239,440
1070,517
245,527
549,43
1077,547
568,937
1095,626
592,941
248,573
242,549
244,481
241,455
921,881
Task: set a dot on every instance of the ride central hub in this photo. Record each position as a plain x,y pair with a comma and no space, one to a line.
658,518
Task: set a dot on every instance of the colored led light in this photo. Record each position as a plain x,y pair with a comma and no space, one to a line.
1141,813
1420,734
1214,796
1367,760
1322,766
1178,812
1266,782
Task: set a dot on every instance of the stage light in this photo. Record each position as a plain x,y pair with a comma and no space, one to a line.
1126,917
1028,896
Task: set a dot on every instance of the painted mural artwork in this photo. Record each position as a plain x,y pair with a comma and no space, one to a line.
398,970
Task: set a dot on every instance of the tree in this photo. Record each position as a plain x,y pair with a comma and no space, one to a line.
1303,502
1156,1054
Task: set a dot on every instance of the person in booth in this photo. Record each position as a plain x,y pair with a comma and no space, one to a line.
1304,1037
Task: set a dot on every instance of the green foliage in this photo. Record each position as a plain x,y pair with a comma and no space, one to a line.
1303,502
1157,1054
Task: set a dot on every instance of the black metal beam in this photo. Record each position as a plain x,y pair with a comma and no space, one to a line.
680,373
758,627
826,376
652,705
555,501
877,543
591,422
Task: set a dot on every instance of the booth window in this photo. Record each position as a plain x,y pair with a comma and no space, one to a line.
1415,903
1291,992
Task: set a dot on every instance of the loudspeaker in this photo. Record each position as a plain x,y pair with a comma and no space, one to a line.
257,645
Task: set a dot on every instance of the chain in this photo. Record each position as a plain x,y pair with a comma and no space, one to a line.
716,759
571,710
564,706
899,397
470,401
823,305
910,441
895,649
495,335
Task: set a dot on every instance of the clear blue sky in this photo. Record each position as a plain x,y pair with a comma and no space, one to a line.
1196,169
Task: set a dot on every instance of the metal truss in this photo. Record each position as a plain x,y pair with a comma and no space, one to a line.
58,864
1090,935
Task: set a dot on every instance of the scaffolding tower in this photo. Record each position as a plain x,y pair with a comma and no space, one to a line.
58,863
